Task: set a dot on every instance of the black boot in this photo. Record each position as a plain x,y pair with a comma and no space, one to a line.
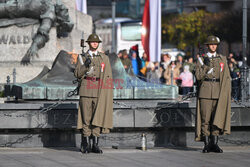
95,147
214,144
85,145
206,148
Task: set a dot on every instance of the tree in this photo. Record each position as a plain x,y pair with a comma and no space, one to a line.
186,30
189,29
229,26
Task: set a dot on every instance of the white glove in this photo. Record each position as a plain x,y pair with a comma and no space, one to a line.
90,71
80,59
210,71
200,61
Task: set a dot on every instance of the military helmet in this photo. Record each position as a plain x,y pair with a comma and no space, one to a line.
212,40
94,38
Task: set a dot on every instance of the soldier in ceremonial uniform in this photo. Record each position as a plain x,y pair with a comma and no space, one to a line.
214,97
95,114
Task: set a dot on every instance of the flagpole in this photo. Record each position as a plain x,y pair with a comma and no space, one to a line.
244,73
113,48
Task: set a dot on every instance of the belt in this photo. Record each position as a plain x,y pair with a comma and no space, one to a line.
212,80
92,78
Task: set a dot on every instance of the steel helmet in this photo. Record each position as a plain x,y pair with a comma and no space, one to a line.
212,40
94,38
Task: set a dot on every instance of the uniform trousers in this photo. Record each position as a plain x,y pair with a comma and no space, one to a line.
88,108
208,109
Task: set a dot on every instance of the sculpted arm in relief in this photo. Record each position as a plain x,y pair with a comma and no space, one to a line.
45,11
38,41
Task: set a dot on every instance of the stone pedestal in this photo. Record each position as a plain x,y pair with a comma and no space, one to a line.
165,123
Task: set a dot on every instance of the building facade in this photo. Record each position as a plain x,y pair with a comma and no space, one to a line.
134,8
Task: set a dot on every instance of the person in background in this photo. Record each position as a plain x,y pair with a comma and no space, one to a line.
187,80
172,73
165,61
197,56
235,75
180,62
190,63
119,55
152,75
127,64
238,57
158,71
232,59
135,63
144,64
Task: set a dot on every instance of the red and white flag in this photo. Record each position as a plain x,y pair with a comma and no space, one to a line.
81,5
151,29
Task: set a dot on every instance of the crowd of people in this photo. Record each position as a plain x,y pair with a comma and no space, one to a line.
169,71
177,70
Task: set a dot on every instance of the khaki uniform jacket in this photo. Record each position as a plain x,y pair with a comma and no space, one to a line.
208,89
222,118
102,89
88,87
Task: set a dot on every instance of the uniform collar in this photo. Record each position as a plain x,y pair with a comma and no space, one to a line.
210,55
91,53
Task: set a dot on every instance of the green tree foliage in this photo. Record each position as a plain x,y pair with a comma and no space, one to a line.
187,29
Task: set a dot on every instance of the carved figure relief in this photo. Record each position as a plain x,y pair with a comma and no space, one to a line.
29,12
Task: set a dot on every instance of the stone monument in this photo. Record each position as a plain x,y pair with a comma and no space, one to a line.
19,33
57,83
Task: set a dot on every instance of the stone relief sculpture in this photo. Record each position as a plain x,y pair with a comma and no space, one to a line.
28,12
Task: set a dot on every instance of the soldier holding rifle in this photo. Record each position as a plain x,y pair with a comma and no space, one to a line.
95,114
214,97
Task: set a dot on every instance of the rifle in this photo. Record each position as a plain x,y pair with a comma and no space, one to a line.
78,81
202,50
82,43
201,53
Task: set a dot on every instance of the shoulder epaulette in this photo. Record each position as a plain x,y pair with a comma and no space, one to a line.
102,54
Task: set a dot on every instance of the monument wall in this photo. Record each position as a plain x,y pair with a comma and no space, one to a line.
15,41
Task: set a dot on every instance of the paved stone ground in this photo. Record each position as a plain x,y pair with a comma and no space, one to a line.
164,157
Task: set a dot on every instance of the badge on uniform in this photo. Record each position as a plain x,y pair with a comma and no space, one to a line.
102,67
221,67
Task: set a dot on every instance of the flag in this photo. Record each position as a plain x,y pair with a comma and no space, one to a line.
81,5
146,28
151,29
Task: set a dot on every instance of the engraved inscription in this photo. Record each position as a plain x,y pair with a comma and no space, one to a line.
63,119
233,120
14,39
